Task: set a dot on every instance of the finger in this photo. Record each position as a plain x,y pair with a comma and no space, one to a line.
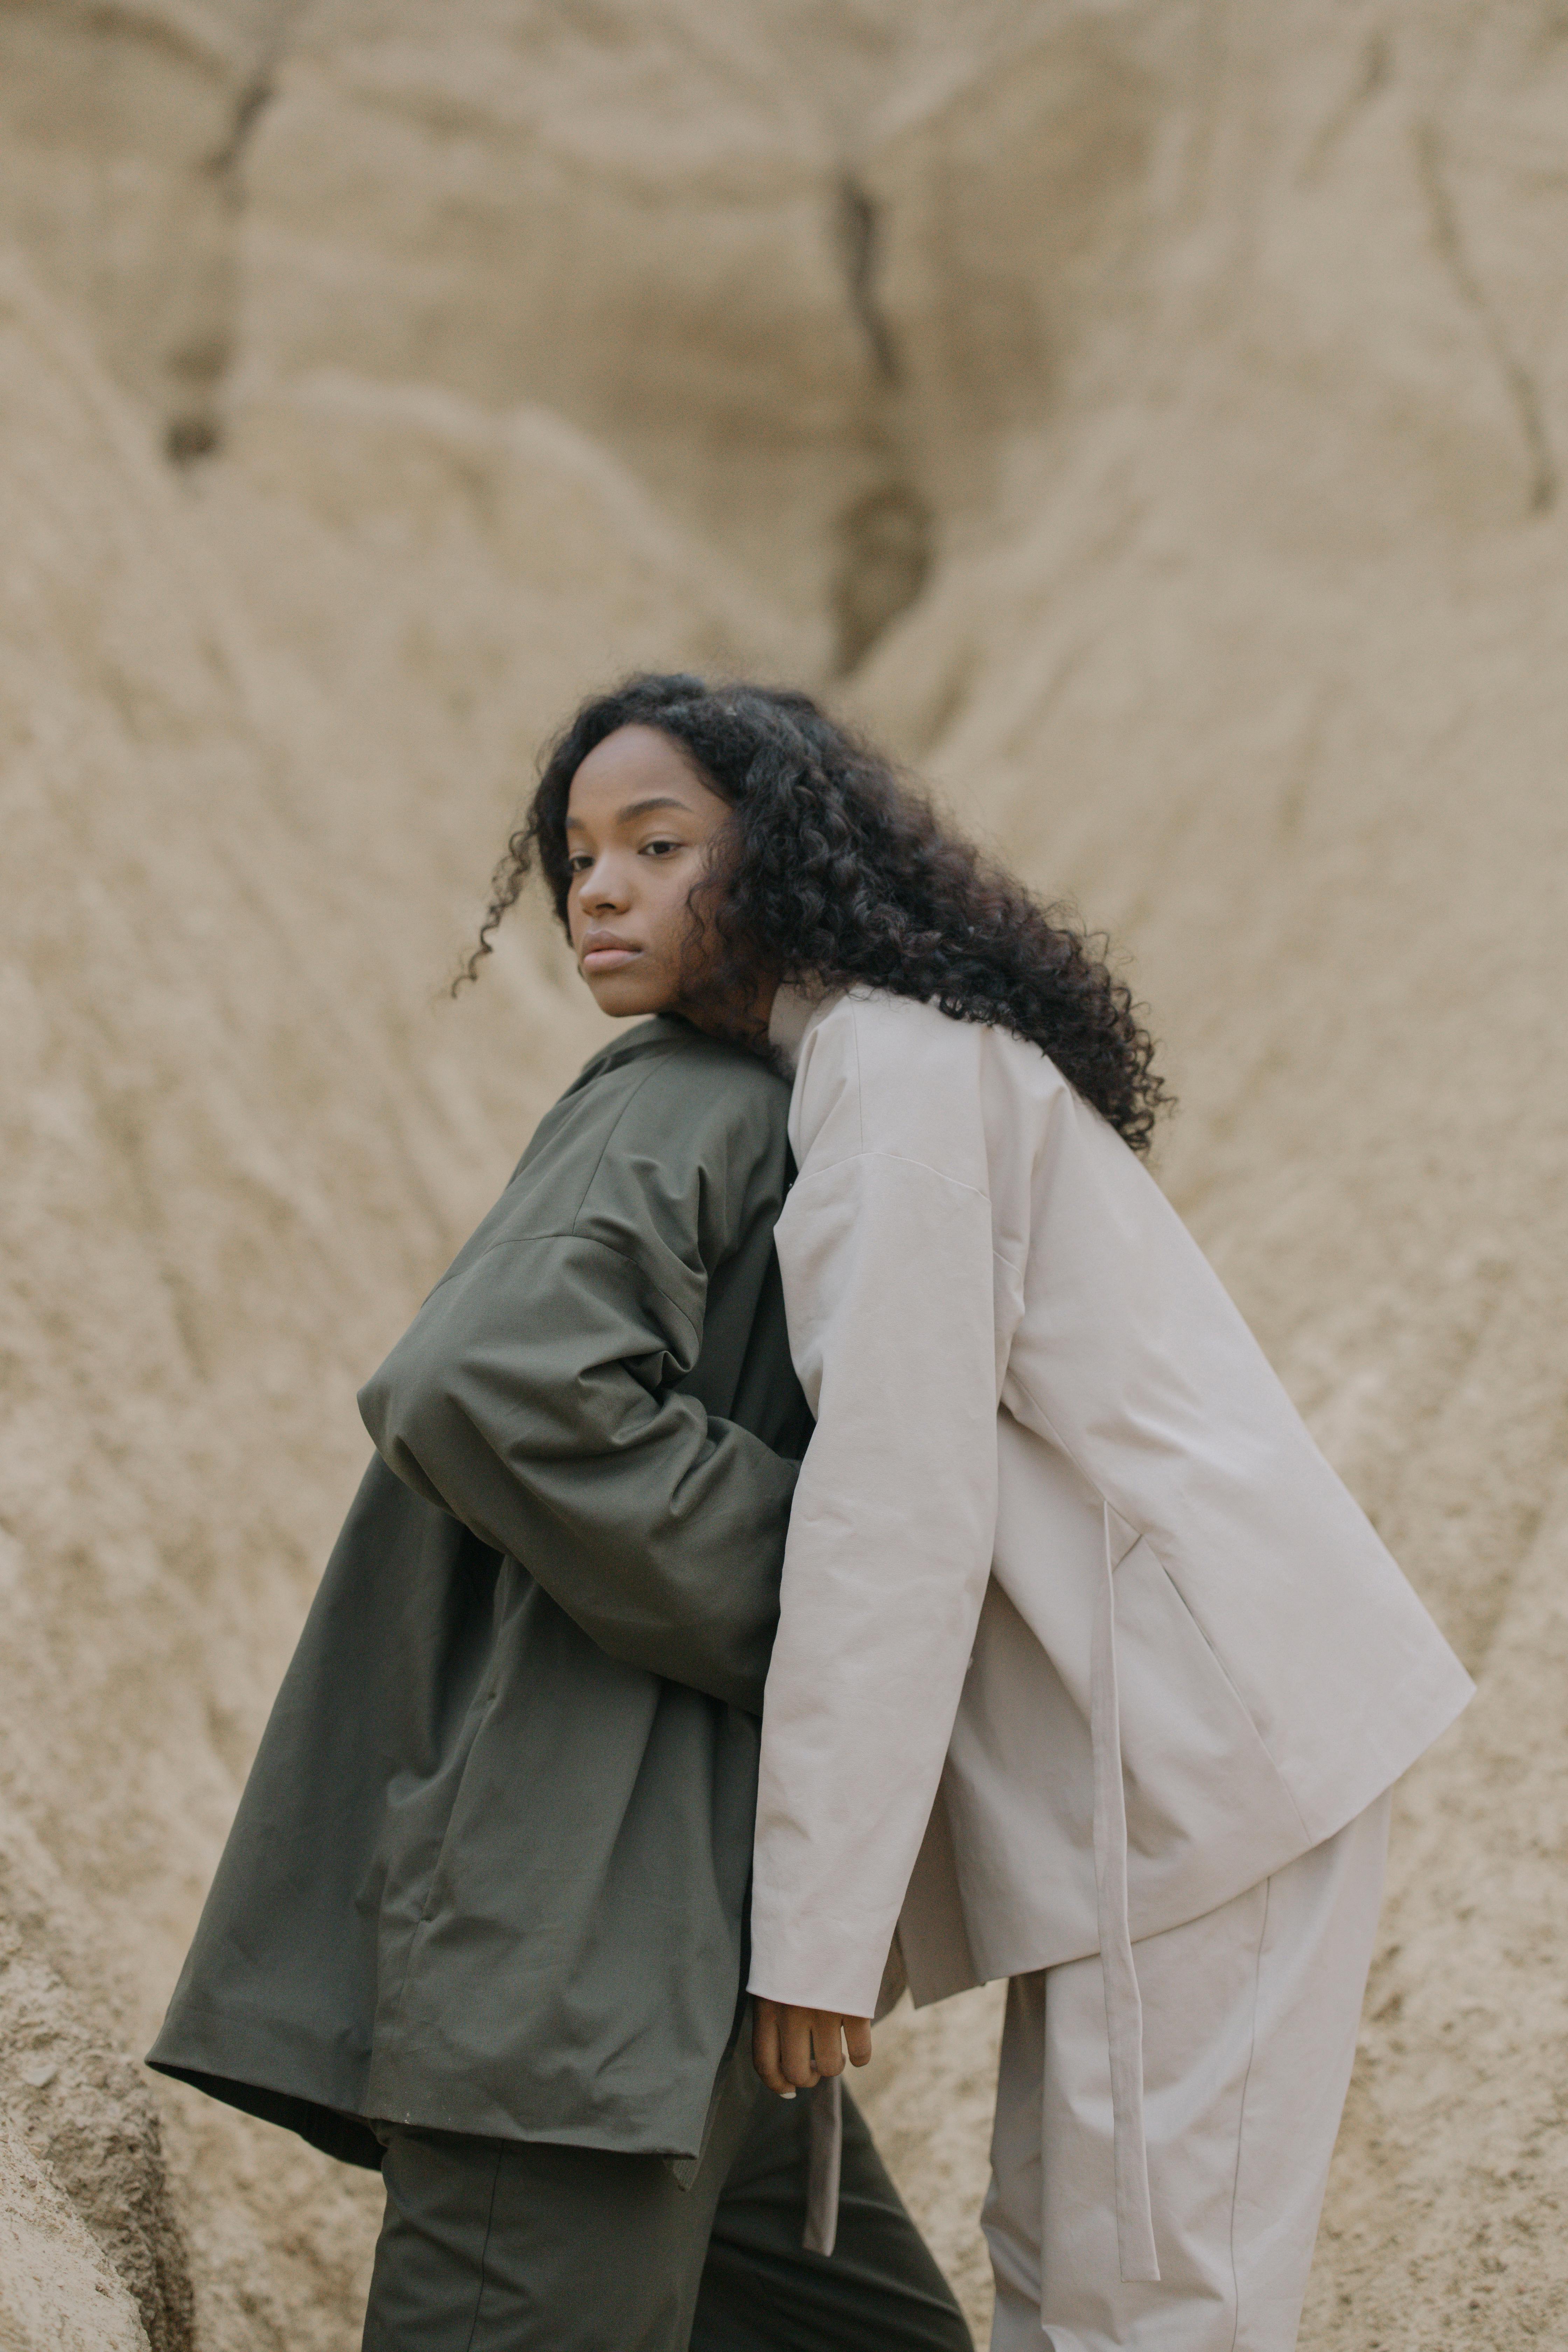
766,2048
794,2048
827,2041
858,2039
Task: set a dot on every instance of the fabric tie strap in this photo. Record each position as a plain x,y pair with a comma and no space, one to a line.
825,2145
1123,2007
824,2158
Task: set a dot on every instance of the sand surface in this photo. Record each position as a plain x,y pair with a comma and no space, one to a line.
1149,419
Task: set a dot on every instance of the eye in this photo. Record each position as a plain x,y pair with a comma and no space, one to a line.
579,861
661,848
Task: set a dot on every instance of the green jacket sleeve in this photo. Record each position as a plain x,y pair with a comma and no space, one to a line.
534,1397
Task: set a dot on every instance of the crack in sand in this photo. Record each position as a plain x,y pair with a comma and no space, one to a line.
1520,385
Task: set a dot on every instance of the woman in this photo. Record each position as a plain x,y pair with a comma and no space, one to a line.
1090,1674
481,1918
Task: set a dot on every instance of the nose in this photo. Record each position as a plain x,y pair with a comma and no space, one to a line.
599,892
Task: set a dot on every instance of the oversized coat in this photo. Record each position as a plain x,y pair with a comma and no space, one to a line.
1081,1634
488,1872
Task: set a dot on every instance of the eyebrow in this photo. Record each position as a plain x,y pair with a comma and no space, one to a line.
636,808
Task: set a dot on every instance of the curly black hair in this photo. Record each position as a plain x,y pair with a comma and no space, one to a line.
838,869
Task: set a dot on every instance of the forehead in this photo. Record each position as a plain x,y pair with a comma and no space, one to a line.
635,763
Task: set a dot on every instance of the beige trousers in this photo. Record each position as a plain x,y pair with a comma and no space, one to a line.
1249,2030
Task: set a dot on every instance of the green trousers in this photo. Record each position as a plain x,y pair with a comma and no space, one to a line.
516,2246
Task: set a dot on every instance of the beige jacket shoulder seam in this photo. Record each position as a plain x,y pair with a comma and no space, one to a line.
895,1158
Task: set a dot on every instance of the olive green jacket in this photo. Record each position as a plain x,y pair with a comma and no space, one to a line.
489,1871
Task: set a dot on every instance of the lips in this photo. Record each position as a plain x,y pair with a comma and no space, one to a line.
602,952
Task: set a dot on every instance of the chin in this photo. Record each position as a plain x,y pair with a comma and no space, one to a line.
627,999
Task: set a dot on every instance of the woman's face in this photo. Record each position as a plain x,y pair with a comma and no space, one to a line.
640,824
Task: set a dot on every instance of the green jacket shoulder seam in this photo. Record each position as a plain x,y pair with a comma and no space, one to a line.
588,1241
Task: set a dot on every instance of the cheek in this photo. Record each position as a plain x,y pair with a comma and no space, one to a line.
669,918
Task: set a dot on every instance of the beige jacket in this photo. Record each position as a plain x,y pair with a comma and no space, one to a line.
1026,1377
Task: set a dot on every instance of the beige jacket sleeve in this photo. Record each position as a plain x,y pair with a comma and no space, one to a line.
886,1259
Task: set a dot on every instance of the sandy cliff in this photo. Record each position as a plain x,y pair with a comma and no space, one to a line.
1150,416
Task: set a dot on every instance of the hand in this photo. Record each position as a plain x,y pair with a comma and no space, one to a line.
793,2049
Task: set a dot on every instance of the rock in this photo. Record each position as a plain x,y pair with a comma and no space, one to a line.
177,1041
1154,418
57,2294
124,132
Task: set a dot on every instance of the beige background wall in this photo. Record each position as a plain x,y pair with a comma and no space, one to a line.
1150,419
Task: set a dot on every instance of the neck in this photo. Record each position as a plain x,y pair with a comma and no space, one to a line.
741,1022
